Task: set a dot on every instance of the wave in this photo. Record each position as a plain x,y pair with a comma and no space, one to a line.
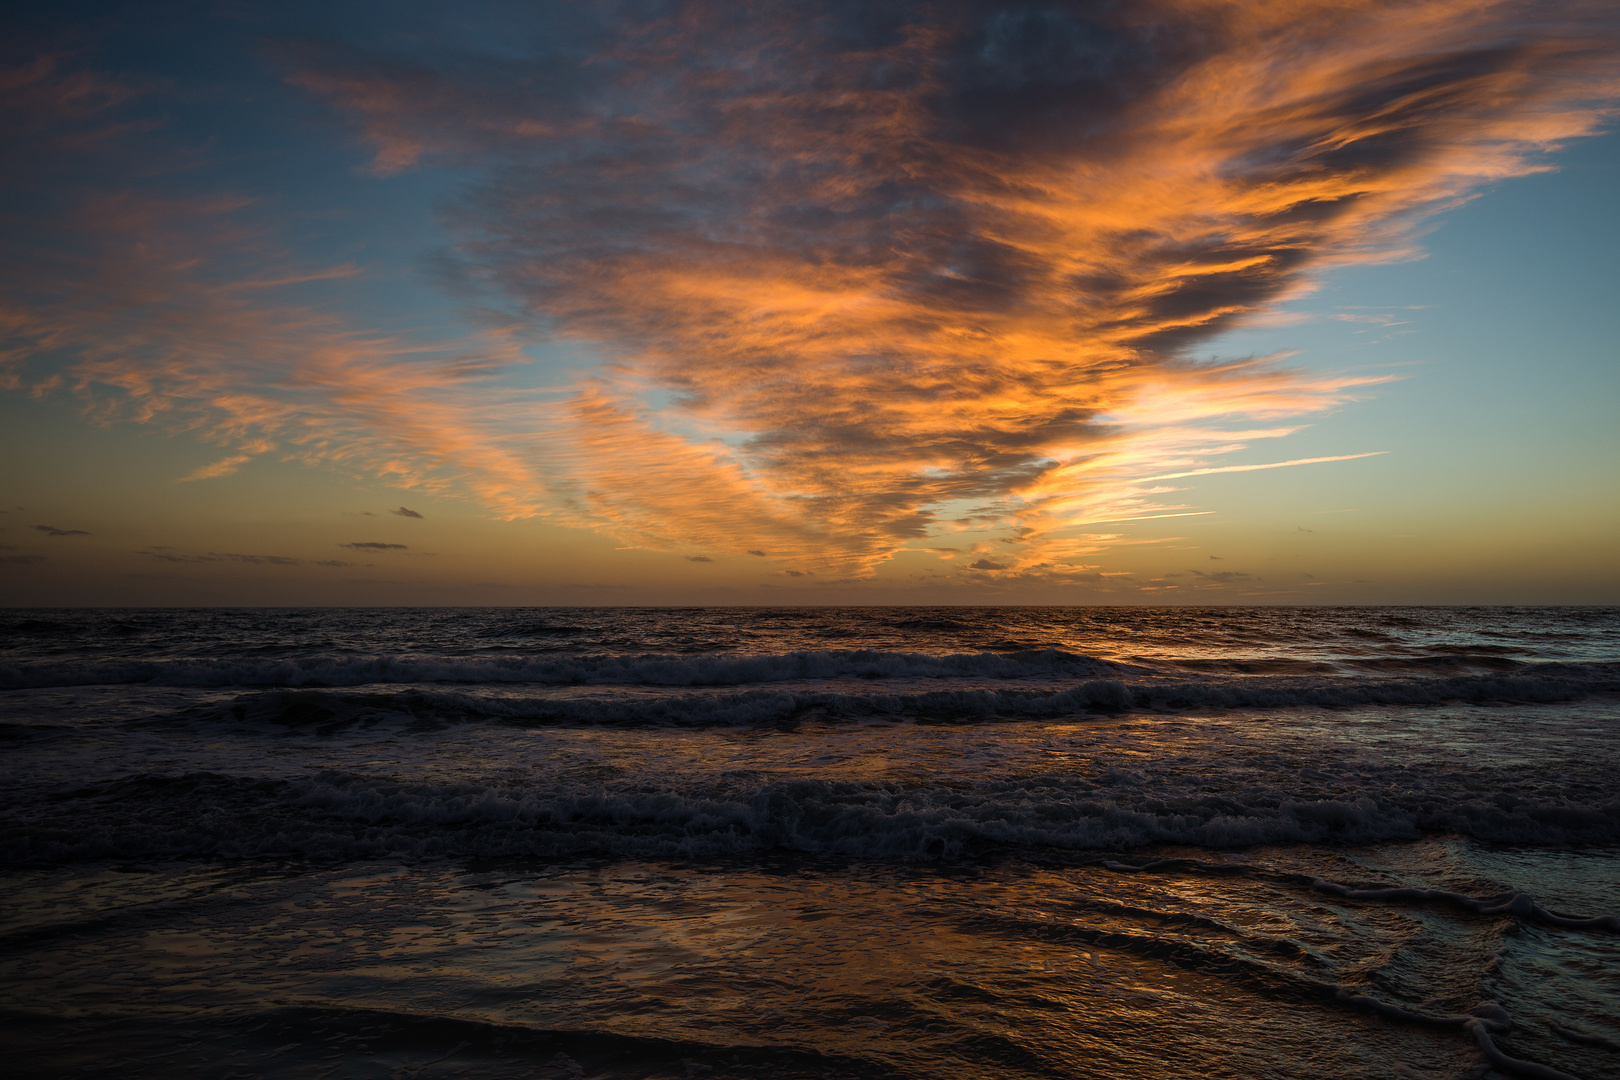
932,622
338,815
764,707
975,684
534,629
756,708
1452,661
649,669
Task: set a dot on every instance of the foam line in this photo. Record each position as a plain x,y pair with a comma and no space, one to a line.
1512,903
1484,1019
1513,1065
1579,1038
1398,1012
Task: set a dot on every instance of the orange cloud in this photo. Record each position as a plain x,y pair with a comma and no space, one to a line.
857,278
943,273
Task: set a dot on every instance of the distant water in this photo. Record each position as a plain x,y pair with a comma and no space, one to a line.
808,842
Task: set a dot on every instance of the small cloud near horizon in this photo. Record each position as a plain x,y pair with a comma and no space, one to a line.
1222,577
405,511
372,545
52,530
698,558
164,554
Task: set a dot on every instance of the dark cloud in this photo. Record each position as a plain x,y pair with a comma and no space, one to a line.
52,530
755,551
698,558
166,554
1221,577
372,545
986,564
405,512
20,560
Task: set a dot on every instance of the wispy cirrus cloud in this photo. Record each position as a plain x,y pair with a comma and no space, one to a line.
147,308
1268,465
158,304
228,465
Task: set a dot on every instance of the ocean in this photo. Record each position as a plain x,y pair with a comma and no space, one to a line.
811,842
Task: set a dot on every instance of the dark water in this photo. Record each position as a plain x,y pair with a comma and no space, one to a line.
908,842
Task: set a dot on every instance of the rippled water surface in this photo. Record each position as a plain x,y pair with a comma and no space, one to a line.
811,842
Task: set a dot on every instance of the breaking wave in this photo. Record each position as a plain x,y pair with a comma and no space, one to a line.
767,706
338,815
1047,682
652,670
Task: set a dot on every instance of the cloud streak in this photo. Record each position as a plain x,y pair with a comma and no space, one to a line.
1268,465
222,467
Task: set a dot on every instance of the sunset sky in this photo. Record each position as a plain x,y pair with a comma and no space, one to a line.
1180,301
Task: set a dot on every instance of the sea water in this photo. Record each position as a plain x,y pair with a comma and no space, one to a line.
811,842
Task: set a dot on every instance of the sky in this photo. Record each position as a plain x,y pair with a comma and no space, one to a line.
1175,301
